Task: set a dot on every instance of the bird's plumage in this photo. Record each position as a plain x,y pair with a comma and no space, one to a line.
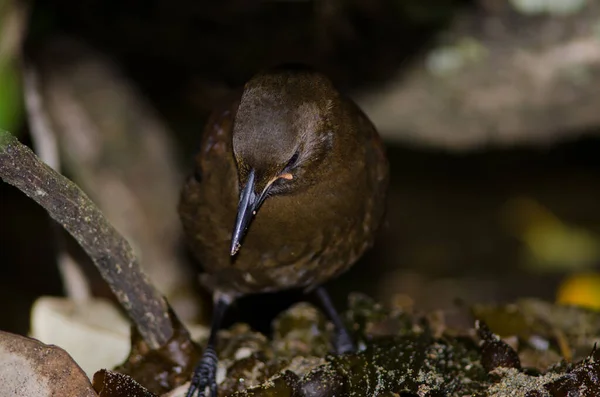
328,175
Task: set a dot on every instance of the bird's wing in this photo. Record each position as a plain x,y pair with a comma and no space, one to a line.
377,147
215,149
209,197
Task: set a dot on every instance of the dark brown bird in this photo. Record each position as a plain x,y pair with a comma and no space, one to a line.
288,192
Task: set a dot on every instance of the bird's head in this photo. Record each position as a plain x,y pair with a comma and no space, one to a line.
283,134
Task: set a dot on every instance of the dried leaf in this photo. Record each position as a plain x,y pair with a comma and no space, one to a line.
94,332
114,384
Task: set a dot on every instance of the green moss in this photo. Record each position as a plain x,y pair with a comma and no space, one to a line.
401,356
6,138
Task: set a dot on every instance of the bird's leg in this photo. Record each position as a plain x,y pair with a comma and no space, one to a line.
205,373
343,341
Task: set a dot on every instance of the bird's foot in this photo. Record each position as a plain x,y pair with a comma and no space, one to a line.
205,375
343,342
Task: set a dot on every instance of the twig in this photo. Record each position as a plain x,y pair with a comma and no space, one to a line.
110,252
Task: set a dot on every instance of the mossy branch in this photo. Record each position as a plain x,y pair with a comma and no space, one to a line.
109,251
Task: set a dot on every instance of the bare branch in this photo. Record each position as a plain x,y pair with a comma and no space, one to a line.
110,252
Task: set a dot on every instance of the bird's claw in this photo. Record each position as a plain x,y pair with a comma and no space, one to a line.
343,342
205,375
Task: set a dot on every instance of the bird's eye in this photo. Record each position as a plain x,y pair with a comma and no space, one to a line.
293,160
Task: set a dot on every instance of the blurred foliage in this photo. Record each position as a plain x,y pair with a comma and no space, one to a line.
581,290
550,244
12,22
553,7
11,96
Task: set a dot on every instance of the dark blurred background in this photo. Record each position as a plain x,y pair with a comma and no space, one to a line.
489,110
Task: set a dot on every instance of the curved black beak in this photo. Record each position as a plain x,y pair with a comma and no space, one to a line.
250,201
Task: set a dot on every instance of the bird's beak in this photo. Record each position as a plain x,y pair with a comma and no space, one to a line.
250,201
